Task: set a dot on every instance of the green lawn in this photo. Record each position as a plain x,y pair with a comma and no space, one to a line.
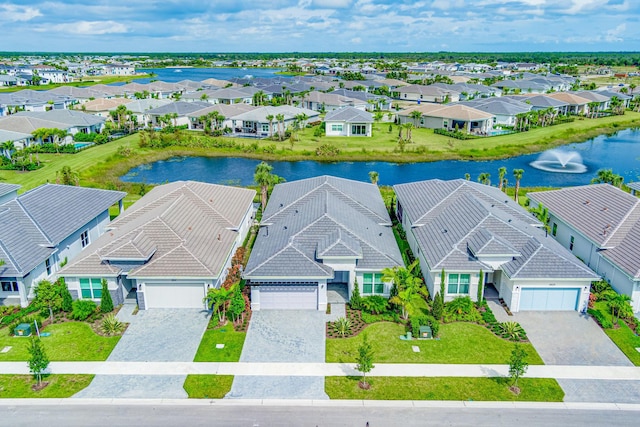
19,386
444,388
208,386
232,340
458,343
623,337
69,341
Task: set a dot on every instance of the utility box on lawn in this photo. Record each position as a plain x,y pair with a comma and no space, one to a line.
22,330
425,332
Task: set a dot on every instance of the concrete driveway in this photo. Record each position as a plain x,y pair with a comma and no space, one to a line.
569,338
156,335
285,336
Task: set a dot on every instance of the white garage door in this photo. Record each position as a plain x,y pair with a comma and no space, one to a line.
174,295
549,299
289,297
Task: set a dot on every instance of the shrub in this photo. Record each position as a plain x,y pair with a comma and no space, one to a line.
599,317
512,331
82,309
435,326
438,306
67,300
111,325
327,150
600,286
390,316
106,303
375,304
356,300
342,326
415,325
461,309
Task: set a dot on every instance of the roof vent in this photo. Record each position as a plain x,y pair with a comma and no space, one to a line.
605,209
380,234
444,230
285,227
586,202
281,205
219,236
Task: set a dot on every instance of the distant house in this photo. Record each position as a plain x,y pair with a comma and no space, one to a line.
255,122
348,121
101,106
421,93
167,249
503,109
575,104
178,111
320,101
319,233
119,69
600,224
44,228
449,117
466,229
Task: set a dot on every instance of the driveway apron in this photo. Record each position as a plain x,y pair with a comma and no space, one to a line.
156,335
284,336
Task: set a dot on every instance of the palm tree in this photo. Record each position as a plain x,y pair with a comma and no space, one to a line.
415,115
7,147
632,86
617,106
542,213
264,178
408,126
269,117
484,178
280,119
467,176
620,307
606,176
517,174
501,173
373,176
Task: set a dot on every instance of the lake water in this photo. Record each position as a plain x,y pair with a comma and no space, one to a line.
620,152
173,75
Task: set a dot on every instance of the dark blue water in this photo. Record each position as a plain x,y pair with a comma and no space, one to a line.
620,152
172,75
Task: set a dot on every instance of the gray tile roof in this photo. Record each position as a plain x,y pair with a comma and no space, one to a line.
182,229
180,108
8,188
325,214
458,222
8,135
32,225
604,214
349,115
68,117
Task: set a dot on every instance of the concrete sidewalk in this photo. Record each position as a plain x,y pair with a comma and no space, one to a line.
624,373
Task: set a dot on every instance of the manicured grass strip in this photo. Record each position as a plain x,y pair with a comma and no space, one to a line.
440,388
459,343
626,340
19,386
208,386
69,341
232,340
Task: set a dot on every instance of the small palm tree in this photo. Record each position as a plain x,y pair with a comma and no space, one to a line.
517,174
373,176
501,173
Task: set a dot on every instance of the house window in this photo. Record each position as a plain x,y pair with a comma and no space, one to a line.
265,128
458,283
47,264
445,124
554,229
91,288
358,129
571,244
84,238
336,128
9,286
372,283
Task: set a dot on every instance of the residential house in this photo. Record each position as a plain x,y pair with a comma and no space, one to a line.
504,110
348,121
325,102
449,117
467,229
575,104
115,69
226,114
19,140
168,249
542,102
44,228
599,224
102,106
320,233
421,93
373,102
178,111
254,123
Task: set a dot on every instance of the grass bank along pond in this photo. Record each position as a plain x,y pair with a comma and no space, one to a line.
620,152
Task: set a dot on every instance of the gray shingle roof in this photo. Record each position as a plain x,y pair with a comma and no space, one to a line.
349,115
604,214
326,215
457,222
181,229
32,225
180,108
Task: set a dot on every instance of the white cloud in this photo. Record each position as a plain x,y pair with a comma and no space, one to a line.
87,27
338,4
356,40
614,34
15,13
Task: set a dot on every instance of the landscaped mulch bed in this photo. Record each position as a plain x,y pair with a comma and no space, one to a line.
357,324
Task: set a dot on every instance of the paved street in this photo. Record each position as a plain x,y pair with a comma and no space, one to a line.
286,336
250,413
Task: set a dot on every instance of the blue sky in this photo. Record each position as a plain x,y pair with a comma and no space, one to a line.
320,25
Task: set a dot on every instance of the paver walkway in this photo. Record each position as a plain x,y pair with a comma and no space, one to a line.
156,335
287,336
